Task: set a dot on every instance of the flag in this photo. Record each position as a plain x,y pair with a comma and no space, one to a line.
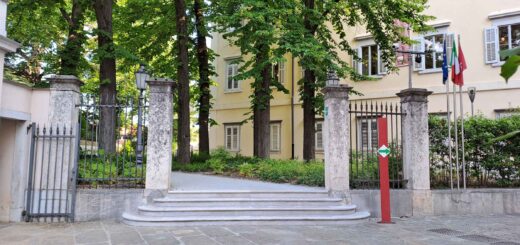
445,72
459,65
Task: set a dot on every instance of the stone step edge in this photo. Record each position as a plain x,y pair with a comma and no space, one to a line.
254,199
246,192
140,218
150,208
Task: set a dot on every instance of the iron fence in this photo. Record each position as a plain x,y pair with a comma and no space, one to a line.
111,164
51,187
364,131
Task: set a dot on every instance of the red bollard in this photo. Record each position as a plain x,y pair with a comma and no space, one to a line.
384,178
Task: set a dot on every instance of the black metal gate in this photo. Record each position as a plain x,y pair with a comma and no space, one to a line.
364,165
51,189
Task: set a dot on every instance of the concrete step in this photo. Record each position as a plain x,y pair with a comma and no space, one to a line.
247,194
246,202
142,220
164,211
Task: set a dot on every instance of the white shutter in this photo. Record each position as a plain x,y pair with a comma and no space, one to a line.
281,72
229,77
358,65
491,45
235,72
235,138
275,137
449,46
228,139
418,46
381,67
319,136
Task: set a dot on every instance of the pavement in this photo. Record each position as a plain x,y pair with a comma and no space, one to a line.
445,230
197,182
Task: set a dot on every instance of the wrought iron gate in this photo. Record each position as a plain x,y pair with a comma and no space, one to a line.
51,188
364,167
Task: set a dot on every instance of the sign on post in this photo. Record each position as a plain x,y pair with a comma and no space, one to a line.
384,178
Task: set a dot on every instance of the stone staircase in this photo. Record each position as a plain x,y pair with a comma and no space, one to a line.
244,207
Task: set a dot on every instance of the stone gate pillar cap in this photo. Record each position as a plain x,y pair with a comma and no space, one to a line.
160,81
65,79
414,95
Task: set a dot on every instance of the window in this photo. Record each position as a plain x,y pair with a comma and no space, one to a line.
435,44
232,84
279,72
318,141
498,38
275,135
508,37
372,64
367,129
232,137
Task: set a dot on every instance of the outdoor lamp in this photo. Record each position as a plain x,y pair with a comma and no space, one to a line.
332,79
140,77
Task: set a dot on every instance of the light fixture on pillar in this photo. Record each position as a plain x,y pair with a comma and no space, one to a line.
332,79
472,91
140,80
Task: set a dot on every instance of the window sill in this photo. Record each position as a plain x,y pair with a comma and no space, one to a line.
430,71
232,91
372,78
498,64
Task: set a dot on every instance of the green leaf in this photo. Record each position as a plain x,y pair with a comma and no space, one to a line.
510,67
505,137
509,52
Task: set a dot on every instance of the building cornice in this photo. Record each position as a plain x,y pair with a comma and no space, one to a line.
504,13
439,23
8,45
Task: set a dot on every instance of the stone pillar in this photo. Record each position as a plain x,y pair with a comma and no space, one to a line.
65,95
159,146
416,148
336,141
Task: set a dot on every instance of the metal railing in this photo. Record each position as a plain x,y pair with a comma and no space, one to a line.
117,168
364,165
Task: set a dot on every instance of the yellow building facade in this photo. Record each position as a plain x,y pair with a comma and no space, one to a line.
484,26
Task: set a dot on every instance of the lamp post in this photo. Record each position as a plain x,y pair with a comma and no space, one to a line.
140,80
472,91
332,79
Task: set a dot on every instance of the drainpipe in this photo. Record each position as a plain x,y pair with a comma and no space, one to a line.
292,108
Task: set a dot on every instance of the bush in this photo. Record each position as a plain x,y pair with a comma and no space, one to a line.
247,170
217,165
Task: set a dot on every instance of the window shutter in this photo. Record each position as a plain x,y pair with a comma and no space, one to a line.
418,46
235,138
229,76
491,45
275,137
449,46
359,65
319,135
381,67
281,72
228,139
235,72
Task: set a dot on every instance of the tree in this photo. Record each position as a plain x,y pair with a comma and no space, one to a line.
318,33
183,80
203,57
71,55
255,26
107,75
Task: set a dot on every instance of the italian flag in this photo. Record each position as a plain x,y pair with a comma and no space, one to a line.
458,65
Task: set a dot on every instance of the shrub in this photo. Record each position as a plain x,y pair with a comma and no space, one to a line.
247,170
217,165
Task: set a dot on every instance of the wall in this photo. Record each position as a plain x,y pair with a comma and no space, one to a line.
8,135
107,204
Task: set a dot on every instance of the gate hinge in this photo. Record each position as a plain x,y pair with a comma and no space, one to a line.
29,128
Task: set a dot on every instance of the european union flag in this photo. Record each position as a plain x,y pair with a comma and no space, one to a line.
445,72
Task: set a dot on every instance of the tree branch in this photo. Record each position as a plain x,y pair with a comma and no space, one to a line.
66,16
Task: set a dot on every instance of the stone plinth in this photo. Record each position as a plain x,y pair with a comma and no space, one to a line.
336,140
160,127
416,148
65,95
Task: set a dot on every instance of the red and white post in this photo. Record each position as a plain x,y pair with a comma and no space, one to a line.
384,178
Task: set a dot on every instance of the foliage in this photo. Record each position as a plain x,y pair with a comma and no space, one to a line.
510,67
491,160
109,169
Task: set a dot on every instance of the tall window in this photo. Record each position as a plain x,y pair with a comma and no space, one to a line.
232,84
275,135
434,45
232,137
367,129
279,72
318,140
508,36
372,63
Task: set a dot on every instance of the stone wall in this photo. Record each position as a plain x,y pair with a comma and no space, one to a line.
107,204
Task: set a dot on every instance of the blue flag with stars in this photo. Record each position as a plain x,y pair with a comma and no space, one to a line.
445,72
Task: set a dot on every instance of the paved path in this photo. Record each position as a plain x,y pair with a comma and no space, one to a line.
463,229
188,181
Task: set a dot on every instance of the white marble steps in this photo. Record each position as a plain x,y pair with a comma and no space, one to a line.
161,211
244,207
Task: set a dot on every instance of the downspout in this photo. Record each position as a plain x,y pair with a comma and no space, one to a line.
292,108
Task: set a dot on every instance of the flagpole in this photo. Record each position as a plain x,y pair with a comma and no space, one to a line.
450,145
455,116
462,138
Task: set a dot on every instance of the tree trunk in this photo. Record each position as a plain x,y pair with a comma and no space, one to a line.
107,76
261,107
70,56
204,84
183,135
309,113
